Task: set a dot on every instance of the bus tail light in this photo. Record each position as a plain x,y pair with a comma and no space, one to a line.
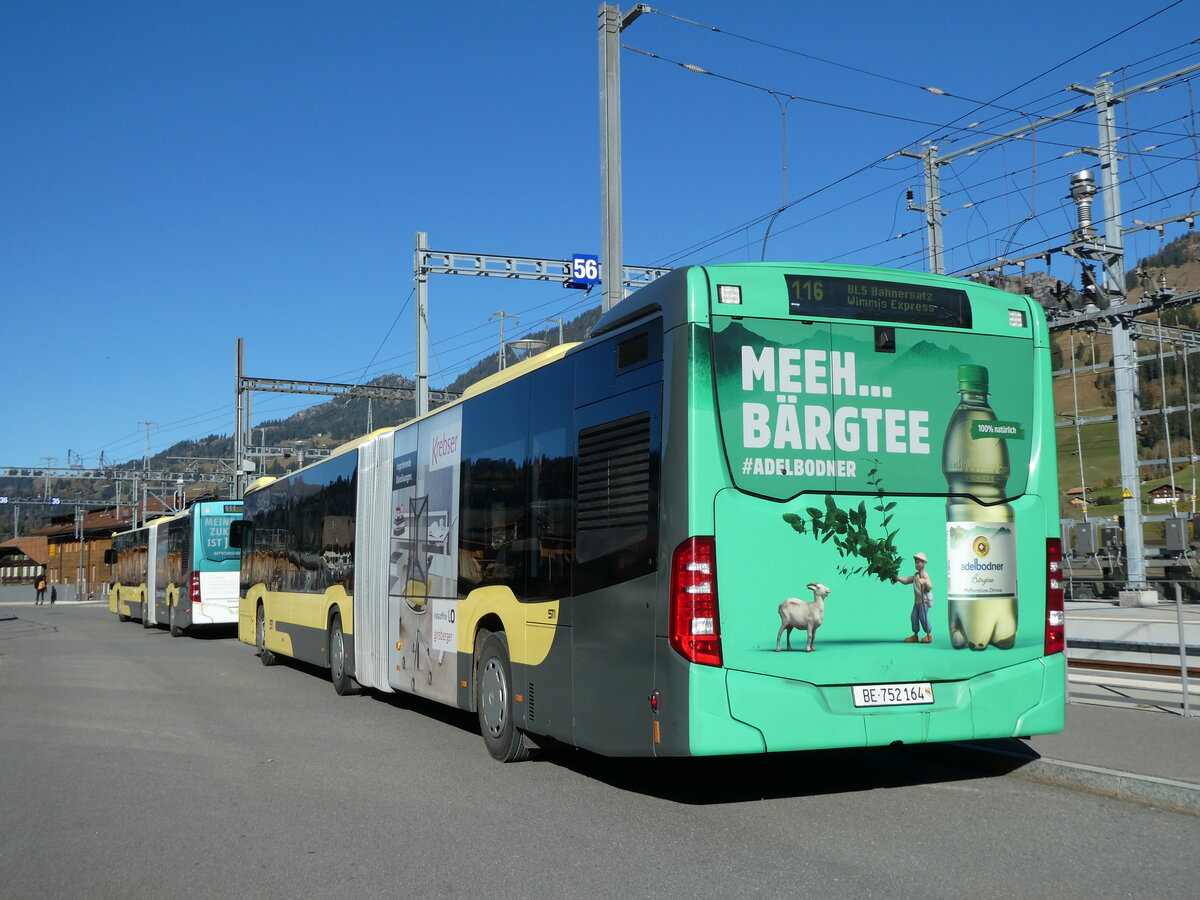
695,628
194,588
1055,616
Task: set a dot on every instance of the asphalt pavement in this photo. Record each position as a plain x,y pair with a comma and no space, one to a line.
1142,749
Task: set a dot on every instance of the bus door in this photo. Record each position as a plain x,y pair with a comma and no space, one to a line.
161,576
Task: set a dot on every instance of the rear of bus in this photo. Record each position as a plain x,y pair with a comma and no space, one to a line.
213,582
871,474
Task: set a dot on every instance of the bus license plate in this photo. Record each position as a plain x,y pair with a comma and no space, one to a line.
915,692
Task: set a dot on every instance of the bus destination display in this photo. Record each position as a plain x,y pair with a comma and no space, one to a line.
886,301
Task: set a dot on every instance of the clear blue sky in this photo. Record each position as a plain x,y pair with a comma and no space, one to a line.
176,175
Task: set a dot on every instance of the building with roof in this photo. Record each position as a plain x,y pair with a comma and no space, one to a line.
1167,493
68,557
22,558
75,541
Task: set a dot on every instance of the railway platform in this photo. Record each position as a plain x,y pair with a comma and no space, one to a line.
1133,732
1138,754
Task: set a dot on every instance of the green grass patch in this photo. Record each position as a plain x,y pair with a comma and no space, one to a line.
1101,471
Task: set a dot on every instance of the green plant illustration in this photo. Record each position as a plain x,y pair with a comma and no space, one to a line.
847,528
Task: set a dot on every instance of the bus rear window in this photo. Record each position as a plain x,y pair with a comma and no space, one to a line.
214,539
883,301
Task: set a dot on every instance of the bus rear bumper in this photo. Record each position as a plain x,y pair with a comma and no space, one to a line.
214,614
763,712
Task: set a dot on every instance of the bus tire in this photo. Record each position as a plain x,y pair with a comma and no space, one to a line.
493,699
339,673
260,638
172,626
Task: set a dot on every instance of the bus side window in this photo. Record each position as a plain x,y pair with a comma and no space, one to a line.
302,529
495,526
552,484
241,535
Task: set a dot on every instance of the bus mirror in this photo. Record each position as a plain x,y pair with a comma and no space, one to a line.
110,556
239,534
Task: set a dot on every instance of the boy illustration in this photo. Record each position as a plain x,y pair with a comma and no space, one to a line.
922,600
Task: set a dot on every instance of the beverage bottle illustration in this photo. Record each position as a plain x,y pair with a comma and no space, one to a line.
981,558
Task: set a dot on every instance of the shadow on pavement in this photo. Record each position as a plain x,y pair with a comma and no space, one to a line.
737,779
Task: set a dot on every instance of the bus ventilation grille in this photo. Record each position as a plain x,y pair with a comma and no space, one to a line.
614,475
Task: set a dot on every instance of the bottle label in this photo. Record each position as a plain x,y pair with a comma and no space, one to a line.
1011,431
981,560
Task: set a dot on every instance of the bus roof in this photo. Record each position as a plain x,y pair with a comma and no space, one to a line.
516,371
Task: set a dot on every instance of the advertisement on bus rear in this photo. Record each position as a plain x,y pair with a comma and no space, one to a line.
816,406
214,539
898,461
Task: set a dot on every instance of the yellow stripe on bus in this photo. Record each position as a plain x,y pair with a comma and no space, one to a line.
529,645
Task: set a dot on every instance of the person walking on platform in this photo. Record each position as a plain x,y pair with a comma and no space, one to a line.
41,589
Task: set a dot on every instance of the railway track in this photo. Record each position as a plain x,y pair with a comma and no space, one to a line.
1115,682
1114,665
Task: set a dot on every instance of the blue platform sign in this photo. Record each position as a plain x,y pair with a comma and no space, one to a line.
585,270
55,501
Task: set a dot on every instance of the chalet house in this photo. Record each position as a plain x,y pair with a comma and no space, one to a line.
1166,493
1080,496
22,558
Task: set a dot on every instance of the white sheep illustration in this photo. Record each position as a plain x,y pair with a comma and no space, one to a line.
797,613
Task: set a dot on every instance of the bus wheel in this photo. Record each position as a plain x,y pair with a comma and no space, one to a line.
260,639
343,682
176,631
493,697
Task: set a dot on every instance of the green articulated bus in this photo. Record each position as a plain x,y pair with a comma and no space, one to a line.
764,507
